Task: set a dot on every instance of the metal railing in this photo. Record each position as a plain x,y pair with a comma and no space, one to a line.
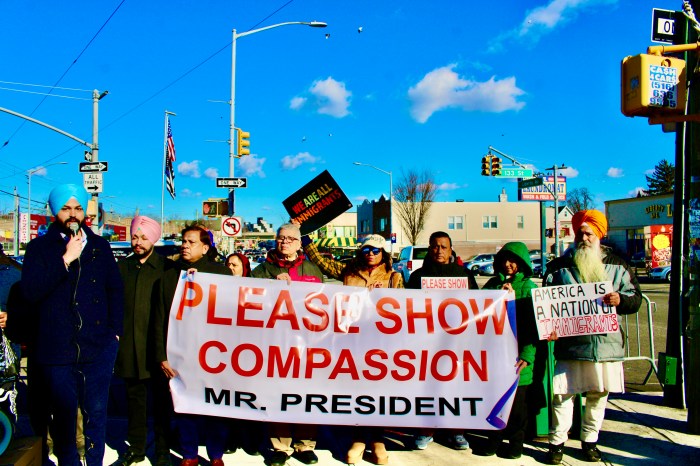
634,342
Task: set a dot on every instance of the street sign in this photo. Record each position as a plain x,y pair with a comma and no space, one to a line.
92,182
231,226
663,25
544,191
89,167
515,173
530,182
232,182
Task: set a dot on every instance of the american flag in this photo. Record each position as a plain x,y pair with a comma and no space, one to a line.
169,159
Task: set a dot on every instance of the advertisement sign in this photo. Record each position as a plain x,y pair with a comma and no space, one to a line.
661,245
318,202
544,191
575,309
298,352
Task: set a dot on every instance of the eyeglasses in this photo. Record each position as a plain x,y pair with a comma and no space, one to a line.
366,250
286,239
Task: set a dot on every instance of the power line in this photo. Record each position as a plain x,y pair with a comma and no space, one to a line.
21,125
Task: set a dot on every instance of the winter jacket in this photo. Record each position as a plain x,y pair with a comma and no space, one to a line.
135,357
300,269
77,309
363,278
602,347
433,269
524,312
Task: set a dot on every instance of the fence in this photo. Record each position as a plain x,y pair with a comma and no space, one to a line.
636,343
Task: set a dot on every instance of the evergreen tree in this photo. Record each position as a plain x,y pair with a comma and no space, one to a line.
662,180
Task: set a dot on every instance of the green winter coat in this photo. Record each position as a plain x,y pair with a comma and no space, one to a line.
525,316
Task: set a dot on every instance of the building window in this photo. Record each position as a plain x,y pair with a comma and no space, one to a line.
381,224
455,223
520,221
489,221
365,226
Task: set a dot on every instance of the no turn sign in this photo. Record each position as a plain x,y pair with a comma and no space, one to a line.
231,226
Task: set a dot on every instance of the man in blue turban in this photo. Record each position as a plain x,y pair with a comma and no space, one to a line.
75,294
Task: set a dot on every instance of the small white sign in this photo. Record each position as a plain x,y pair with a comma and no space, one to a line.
92,182
231,226
444,283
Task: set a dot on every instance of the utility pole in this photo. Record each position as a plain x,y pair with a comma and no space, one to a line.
557,253
15,226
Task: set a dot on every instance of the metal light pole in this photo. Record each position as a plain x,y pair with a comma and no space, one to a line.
556,207
28,227
235,36
391,202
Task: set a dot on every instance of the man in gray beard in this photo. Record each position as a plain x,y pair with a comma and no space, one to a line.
590,364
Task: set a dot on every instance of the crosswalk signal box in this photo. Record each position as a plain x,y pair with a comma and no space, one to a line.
653,85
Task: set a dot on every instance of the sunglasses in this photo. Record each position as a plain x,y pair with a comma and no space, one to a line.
366,250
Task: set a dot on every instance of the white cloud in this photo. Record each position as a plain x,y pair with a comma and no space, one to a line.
190,169
211,173
253,165
635,192
569,172
39,171
448,186
290,162
614,172
649,172
332,97
189,193
297,102
359,199
543,19
443,88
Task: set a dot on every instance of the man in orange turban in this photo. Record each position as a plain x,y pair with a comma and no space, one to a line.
588,363
594,219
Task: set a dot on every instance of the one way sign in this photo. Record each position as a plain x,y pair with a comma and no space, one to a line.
232,182
90,167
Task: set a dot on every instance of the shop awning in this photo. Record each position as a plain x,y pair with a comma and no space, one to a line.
337,242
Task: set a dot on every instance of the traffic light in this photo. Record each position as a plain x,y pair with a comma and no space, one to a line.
223,208
210,208
496,166
486,165
243,142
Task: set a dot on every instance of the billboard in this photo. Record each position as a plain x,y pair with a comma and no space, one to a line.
544,191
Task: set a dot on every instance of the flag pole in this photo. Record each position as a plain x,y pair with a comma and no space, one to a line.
162,172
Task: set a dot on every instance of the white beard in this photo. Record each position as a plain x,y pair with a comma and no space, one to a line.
589,262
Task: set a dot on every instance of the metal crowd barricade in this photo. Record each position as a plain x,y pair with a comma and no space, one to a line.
633,340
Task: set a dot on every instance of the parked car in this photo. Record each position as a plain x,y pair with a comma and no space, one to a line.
486,269
639,260
410,259
474,262
661,273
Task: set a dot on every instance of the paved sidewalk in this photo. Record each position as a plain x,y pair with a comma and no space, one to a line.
638,429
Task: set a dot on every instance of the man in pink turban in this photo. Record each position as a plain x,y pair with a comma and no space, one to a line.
141,271
590,364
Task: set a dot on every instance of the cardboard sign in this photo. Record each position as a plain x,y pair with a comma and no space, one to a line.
318,202
319,353
575,309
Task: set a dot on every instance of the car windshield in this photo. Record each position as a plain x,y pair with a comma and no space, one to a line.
420,253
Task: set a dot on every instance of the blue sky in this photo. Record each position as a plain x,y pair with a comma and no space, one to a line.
399,85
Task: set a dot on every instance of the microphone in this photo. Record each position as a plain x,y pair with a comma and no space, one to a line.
74,227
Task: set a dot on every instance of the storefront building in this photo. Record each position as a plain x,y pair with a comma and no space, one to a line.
642,226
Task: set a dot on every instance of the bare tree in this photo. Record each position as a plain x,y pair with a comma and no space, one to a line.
579,199
414,195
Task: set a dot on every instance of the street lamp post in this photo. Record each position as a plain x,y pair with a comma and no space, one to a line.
28,226
231,152
391,202
556,207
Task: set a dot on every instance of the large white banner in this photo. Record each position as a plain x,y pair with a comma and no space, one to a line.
576,309
331,354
